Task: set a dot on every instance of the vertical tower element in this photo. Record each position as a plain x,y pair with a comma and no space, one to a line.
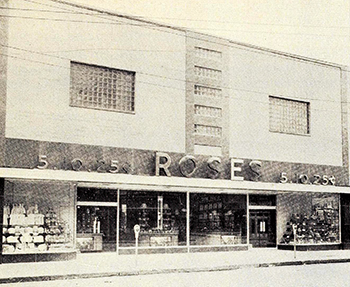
207,111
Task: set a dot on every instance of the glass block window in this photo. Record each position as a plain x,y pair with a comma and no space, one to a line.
208,54
207,73
207,130
102,88
207,111
289,116
207,92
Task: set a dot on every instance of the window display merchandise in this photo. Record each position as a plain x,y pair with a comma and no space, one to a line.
30,230
319,226
161,216
96,228
218,219
96,214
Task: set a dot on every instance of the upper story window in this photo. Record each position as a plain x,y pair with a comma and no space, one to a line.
207,91
207,111
208,54
205,130
289,116
102,88
207,72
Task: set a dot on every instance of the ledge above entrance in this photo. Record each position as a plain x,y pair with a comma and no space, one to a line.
140,182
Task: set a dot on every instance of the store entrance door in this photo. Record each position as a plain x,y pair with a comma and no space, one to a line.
262,228
345,220
96,216
96,228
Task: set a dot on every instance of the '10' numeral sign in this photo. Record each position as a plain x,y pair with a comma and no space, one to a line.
304,179
77,164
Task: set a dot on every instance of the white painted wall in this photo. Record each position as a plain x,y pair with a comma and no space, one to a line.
38,85
256,75
38,89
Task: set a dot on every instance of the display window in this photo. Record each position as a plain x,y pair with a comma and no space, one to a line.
161,216
218,219
96,223
37,217
311,219
345,220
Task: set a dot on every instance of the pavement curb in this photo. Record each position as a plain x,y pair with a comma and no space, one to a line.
167,271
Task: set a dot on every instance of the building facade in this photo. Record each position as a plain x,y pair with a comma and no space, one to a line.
109,121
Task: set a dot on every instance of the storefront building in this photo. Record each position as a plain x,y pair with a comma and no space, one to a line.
206,144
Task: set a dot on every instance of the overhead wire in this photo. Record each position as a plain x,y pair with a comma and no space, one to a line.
241,46
140,72
153,26
150,24
104,14
99,16
173,18
195,28
184,81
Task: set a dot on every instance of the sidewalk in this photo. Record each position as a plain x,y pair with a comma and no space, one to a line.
109,264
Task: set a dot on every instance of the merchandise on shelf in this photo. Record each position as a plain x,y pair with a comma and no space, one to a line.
168,226
89,221
168,219
213,217
6,215
31,231
144,218
321,227
165,233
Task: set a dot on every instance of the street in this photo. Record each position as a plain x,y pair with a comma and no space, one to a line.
330,275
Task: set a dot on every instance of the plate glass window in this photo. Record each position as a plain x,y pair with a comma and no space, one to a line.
218,219
289,116
102,88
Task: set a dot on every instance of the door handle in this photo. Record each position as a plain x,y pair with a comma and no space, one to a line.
262,226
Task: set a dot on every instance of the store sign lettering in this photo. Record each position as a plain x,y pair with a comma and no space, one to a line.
164,161
188,166
213,167
77,164
306,179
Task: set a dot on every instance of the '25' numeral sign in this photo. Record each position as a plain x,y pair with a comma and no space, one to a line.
77,164
304,179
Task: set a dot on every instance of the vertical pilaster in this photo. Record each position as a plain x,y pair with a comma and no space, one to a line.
3,76
345,89
189,95
74,191
118,220
248,220
207,90
2,190
188,221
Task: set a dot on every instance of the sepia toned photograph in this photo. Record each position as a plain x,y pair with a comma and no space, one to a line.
174,143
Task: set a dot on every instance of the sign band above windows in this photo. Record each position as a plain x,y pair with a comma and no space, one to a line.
198,167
